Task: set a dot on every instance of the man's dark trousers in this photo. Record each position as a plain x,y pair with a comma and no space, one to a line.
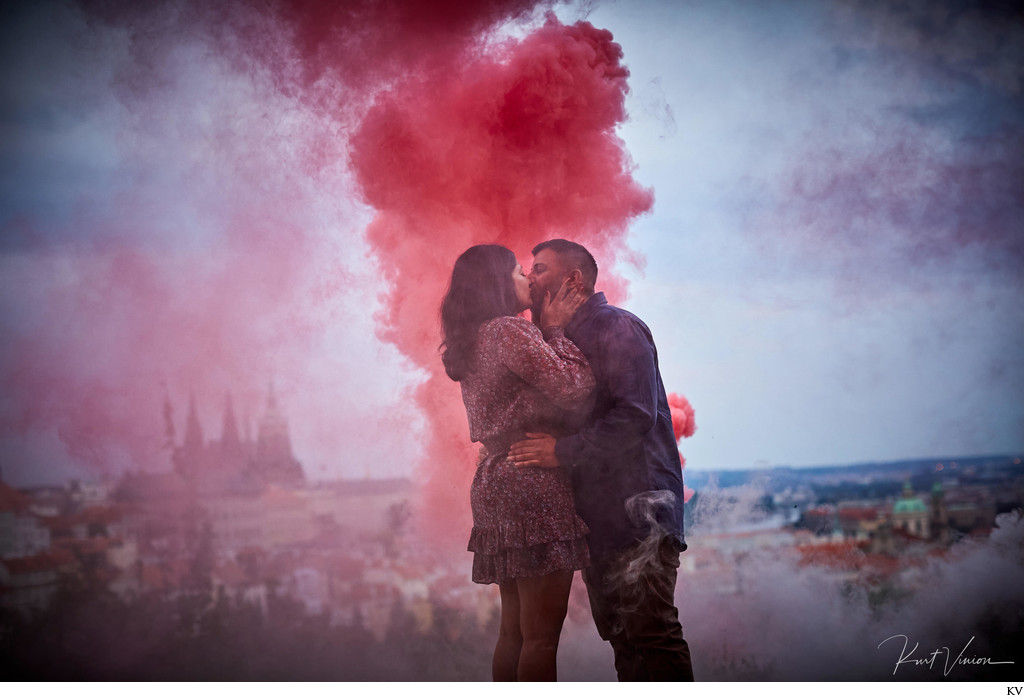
631,598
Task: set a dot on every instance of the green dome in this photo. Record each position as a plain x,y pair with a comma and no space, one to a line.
910,505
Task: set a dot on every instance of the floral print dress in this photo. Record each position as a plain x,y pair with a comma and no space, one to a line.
524,519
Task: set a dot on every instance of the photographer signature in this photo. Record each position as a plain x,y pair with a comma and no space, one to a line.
948,662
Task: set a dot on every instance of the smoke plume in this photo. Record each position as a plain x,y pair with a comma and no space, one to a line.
227,243
515,147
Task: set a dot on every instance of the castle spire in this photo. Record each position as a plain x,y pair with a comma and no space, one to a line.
193,431
274,460
229,433
168,422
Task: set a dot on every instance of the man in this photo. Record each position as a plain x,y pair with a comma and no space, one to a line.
625,471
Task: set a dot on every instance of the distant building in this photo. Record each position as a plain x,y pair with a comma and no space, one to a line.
29,583
976,515
22,533
939,515
251,493
275,518
236,463
37,552
821,520
860,520
888,529
361,506
910,514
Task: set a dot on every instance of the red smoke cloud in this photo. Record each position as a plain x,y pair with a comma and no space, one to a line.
363,41
683,416
515,147
117,325
331,55
211,268
197,266
208,263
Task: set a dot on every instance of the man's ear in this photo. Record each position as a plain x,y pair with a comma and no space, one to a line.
576,278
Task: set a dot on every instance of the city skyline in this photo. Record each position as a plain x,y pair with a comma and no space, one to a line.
236,571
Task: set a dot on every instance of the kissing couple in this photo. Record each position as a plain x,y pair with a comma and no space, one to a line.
578,470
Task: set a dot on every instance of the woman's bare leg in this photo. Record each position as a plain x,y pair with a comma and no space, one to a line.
505,663
543,602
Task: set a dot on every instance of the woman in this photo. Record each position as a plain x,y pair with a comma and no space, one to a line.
515,379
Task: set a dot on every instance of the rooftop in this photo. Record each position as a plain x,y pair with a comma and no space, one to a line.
12,500
910,505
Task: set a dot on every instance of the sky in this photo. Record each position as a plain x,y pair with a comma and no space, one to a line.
202,202
833,260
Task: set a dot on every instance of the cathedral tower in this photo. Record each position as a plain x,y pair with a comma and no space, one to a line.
274,462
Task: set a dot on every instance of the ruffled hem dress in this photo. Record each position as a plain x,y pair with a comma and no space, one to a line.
525,522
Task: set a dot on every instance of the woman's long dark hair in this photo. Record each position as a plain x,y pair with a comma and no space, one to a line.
481,289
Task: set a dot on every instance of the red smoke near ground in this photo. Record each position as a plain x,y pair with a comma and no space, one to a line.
515,147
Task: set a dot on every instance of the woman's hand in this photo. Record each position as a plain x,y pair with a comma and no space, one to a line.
559,311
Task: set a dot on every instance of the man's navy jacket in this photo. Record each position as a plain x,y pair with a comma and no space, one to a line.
627,446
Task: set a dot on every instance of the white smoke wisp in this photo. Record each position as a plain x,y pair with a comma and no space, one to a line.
725,509
643,508
754,608
789,621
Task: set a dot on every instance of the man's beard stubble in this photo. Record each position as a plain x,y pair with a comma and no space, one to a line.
537,302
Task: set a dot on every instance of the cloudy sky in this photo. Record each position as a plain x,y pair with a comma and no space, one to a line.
831,266
835,254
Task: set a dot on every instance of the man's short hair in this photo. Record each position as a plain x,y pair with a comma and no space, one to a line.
576,256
